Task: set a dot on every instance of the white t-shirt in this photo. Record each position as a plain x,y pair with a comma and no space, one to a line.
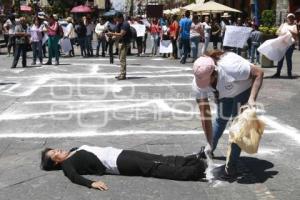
207,29
285,27
195,30
100,28
233,77
11,27
107,155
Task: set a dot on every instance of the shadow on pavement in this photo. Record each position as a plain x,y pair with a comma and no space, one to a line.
282,77
258,170
10,83
132,78
250,171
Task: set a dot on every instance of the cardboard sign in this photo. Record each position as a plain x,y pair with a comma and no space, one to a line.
140,29
236,36
165,46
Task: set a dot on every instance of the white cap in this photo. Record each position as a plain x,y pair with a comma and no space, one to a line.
290,15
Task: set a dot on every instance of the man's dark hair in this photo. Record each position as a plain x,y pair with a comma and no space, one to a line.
47,163
187,13
119,15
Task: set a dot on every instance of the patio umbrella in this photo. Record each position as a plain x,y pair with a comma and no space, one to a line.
167,12
81,9
193,5
25,8
110,13
175,11
188,7
213,7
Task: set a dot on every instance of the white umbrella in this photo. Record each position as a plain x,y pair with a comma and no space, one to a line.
167,12
188,7
213,7
175,11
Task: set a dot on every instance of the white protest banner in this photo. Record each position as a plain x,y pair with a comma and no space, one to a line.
65,44
165,46
45,38
236,36
140,29
275,49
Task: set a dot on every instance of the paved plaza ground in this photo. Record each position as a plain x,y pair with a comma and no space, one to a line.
80,102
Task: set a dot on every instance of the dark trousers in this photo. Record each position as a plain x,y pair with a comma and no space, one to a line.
110,50
101,42
288,56
145,42
175,49
139,42
134,163
81,41
37,51
186,49
20,48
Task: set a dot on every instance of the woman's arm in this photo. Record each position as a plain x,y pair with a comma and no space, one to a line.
72,174
257,75
205,116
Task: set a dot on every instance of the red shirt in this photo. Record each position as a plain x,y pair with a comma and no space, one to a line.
174,28
154,28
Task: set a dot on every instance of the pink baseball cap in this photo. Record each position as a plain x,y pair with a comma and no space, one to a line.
203,68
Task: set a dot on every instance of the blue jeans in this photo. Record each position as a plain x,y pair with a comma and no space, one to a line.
206,43
195,47
154,41
228,108
88,45
186,49
254,52
288,55
37,51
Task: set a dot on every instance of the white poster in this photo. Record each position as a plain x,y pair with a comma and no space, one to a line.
45,38
66,45
236,36
275,49
140,29
119,5
165,46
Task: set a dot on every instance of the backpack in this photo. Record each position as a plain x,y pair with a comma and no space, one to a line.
60,31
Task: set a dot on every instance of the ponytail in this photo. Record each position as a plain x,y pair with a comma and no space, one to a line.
215,54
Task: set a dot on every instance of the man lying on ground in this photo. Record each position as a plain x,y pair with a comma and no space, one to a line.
108,160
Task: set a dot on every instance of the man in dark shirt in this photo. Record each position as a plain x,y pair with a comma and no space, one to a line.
21,43
108,160
124,34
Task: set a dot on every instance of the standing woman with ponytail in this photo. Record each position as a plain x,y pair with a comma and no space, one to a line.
234,82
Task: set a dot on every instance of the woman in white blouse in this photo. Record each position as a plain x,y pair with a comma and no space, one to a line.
288,26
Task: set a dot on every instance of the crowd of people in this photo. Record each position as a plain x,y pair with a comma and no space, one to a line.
190,36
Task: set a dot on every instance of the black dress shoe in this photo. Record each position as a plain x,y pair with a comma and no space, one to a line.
48,63
276,75
120,78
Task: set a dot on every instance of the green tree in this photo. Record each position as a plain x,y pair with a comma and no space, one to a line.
268,18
